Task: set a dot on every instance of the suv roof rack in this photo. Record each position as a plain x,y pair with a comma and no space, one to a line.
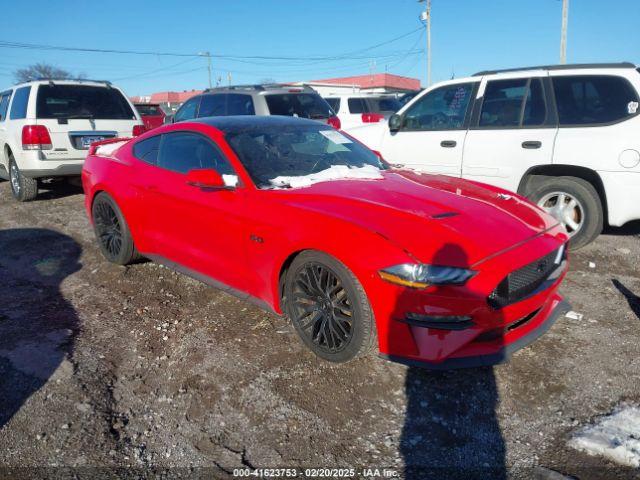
260,87
54,79
559,67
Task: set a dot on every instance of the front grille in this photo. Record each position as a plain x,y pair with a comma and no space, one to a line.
525,281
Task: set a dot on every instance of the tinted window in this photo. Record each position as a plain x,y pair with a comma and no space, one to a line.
513,103
184,151
211,106
441,109
306,105
4,104
147,150
238,104
82,101
269,151
148,110
188,110
19,104
594,99
334,103
382,105
357,105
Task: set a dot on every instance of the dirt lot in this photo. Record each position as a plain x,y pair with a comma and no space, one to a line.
105,366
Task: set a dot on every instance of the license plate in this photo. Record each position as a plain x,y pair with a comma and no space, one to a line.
87,141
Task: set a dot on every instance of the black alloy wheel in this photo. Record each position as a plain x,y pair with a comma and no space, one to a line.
323,309
112,232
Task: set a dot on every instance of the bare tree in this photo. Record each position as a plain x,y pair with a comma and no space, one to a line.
42,70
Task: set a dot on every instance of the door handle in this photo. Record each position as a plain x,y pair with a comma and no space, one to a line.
531,144
448,143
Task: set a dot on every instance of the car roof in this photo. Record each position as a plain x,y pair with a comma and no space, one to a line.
234,124
569,66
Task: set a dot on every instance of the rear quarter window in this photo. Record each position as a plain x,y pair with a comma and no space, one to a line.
147,150
82,101
305,105
594,99
19,104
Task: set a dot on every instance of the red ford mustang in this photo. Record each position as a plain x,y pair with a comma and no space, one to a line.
305,221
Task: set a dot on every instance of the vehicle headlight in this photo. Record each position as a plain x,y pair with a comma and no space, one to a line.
417,275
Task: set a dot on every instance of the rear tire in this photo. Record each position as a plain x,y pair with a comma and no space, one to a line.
24,189
112,231
328,308
558,194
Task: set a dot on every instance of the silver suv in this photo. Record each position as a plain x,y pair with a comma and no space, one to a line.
278,99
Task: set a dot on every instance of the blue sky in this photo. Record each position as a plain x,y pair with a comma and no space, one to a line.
467,36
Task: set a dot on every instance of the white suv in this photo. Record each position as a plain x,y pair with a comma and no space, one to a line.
567,137
46,127
357,109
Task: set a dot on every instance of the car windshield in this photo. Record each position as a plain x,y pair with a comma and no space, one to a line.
305,105
148,110
82,101
288,156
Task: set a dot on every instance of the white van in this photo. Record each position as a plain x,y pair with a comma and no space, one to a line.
46,127
565,136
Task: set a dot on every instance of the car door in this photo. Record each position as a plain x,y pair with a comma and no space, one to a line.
513,129
197,228
432,130
4,110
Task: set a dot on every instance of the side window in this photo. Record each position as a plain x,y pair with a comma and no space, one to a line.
4,105
239,104
444,108
594,99
20,101
513,103
334,103
357,105
188,110
184,151
147,150
212,105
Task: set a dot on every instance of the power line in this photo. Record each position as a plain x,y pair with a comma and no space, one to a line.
33,46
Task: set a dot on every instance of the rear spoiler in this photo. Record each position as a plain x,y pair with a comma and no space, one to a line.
94,146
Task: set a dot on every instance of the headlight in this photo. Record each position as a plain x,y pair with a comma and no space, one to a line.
421,275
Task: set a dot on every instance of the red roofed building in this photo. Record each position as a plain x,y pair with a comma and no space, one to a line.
169,101
378,81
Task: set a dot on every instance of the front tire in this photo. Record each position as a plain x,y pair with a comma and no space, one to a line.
24,189
112,231
575,203
328,308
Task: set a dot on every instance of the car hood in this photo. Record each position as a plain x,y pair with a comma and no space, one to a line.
426,214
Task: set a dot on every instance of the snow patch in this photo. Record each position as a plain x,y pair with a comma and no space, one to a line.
335,172
616,437
109,148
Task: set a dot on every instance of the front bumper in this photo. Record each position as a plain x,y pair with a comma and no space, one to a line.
543,321
459,326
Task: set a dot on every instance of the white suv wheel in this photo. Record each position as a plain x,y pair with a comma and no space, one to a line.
565,208
14,175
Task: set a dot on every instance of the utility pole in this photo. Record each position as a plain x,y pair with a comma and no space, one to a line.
563,35
426,18
208,55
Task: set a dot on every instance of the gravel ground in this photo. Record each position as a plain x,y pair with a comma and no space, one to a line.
138,371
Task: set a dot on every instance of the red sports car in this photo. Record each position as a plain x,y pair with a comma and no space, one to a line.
305,221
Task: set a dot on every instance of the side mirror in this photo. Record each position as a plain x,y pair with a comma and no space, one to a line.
208,178
395,122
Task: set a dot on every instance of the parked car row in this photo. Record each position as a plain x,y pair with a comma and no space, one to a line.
304,220
566,137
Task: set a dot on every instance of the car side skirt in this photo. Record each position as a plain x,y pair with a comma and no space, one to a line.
212,282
